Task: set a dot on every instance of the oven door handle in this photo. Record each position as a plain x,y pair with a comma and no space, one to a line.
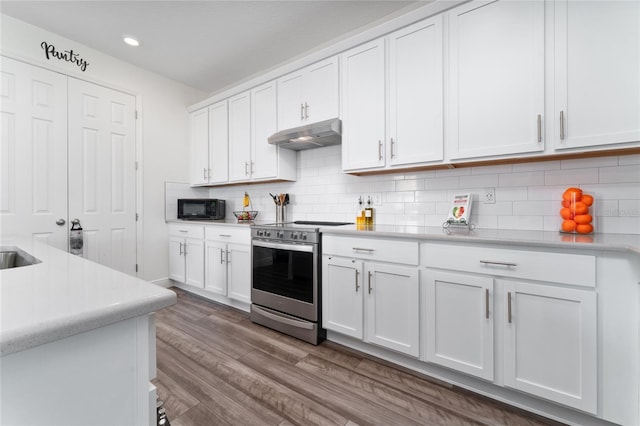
289,321
308,248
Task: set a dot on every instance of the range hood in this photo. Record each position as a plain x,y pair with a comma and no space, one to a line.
314,135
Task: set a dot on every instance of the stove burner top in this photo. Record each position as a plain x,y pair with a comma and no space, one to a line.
299,230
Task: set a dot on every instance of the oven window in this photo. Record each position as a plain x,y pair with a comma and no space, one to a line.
283,272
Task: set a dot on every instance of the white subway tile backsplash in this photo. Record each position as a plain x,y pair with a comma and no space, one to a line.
528,195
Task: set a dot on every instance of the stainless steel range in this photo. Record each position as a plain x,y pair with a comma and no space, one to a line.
286,278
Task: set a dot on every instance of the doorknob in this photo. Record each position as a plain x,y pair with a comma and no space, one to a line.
60,222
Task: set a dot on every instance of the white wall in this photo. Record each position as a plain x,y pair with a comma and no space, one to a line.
527,195
163,124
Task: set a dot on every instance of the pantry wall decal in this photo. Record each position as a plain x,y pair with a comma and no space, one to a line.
50,52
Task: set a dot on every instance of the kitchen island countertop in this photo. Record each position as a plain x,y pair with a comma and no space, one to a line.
596,241
66,295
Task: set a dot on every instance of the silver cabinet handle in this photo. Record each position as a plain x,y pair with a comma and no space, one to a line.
204,173
184,249
306,111
246,168
561,125
221,256
539,128
509,307
380,150
356,249
491,262
357,286
60,222
208,173
393,145
301,112
228,256
370,282
182,230
252,164
224,235
181,253
486,303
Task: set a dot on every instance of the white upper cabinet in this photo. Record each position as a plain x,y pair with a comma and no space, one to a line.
496,79
199,146
219,142
240,137
264,157
416,94
597,69
309,95
363,107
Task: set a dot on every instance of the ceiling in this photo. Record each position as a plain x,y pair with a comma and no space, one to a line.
208,45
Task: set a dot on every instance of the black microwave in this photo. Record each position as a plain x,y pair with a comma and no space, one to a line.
200,208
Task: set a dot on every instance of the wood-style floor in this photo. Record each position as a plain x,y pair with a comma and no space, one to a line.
215,367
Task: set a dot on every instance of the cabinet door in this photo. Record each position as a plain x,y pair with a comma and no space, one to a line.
194,265
218,143
393,307
240,137
363,107
264,157
176,259
199,146
416,93
33,156
290,103
239,272
496,78
459,322
550,346
322,91
215,267
342,303
597,64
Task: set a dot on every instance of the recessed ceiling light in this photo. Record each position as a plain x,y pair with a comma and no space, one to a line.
131,41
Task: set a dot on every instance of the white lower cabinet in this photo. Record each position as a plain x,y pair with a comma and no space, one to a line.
459,322
186,254
228,262
371,300
550,343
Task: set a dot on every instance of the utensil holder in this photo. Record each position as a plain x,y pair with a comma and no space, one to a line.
281,214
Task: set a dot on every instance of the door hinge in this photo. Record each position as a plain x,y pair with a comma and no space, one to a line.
136,267
136,114
136,163
137,217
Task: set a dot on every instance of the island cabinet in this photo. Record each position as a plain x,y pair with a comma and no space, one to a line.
538,309
370,291
496,79
413,108
186,254
597,63
309,95
227,262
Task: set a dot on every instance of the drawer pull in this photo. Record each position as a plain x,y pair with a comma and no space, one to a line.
370,282
357,286
366,250
491,262
509,307
183,230
224,235
486,303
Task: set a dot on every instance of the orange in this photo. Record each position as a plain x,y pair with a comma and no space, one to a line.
572,194
583,219
587,199
566,203
579,208
565,213
586,228
568,226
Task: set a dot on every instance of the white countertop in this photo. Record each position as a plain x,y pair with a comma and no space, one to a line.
66,295
596,241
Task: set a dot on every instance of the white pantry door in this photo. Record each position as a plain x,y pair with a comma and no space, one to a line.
33,153
102,177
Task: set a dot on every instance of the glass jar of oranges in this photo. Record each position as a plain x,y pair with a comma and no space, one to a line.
576,212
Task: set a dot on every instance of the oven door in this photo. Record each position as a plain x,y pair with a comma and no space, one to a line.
285,278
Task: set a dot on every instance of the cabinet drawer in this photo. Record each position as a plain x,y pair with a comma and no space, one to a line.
574,269
384,250
232,234
191,231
